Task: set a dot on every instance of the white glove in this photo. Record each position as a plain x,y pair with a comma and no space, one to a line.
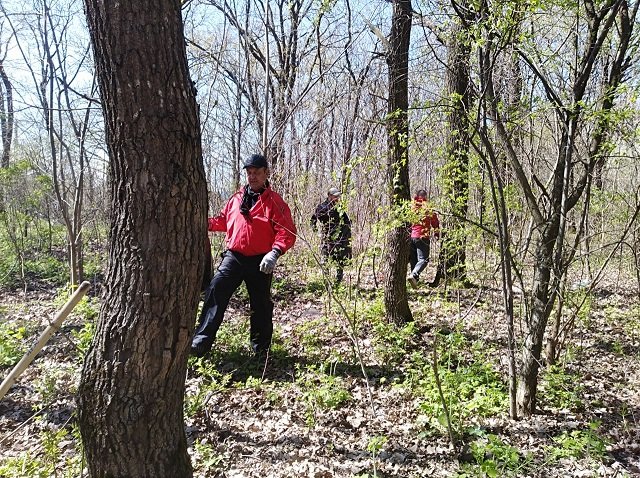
269,262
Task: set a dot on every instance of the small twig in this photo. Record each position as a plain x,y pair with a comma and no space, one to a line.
452,437
19,427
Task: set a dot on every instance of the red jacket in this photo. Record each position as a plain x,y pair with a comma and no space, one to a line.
429,222
269,225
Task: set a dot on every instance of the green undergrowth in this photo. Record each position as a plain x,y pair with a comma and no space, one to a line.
491,456
58,454
471,387
314,375
560,389
32,259
579,443
13,342
321,391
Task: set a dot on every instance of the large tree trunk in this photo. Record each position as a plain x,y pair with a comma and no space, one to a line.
133,381
452,258
397,241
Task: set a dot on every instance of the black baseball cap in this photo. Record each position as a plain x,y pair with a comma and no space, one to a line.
256,161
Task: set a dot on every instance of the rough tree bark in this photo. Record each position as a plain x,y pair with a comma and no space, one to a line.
453,256
397,242
133,381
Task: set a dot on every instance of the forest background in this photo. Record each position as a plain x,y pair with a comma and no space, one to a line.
520,122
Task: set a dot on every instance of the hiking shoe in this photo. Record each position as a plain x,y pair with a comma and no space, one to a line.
413,281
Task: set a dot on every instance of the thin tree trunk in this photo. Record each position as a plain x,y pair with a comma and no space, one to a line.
397,241
543,298
551,349
6,120
506,265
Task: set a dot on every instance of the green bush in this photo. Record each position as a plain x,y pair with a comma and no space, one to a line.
321,392
207,459
87,309
94,265
47,268
24,466
494,458
213,382
578,444
391,341
45,463
24,235
12,344
9,266
83,338
40,267
54,383
471,387
560,389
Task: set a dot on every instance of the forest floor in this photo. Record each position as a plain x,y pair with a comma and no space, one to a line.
345,394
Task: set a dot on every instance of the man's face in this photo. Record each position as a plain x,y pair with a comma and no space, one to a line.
257,177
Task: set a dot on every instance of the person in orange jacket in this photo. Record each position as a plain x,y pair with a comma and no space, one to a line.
259,229
421,232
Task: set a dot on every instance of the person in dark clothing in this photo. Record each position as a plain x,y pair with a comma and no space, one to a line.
259,229
422,230
336,231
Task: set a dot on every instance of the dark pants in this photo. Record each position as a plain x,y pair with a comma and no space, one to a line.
338,253
419,255
234,269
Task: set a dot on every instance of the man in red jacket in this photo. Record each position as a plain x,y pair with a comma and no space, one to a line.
421,232
259,229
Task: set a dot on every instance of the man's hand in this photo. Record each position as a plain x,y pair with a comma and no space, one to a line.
269,262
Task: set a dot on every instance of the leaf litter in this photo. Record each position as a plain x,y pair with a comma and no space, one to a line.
273,420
